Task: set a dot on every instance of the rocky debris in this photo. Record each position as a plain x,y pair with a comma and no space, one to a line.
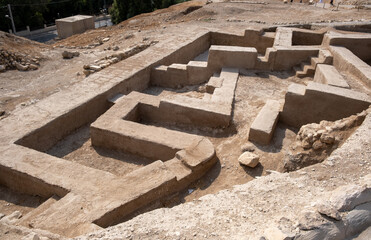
249,159
20,61
2,215
12,218
329,211
69,55
33,67
93,67
105,39
354,203
315,142
347,197
309,220
248,147
274,233
114,58
21,67
31,236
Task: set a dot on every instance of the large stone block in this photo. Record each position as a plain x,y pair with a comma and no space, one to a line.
232,56
328,74
262,129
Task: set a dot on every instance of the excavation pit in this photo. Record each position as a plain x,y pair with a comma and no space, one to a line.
98,161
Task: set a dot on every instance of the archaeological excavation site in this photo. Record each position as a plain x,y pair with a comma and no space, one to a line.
203,126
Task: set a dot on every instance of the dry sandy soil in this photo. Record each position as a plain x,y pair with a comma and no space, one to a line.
20,89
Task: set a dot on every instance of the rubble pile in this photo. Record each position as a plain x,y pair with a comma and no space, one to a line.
20,61
315,142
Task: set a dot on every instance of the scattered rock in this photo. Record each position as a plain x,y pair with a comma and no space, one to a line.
11,59
105,39
346,198
2,113
2,215
327,138
309,220
248,147
329,211
249,159
20,67
69,55
86,67
95,67
274,233
12,218
315,142
31,236
115,48
33,67
87,72
318,145
306,144
114,58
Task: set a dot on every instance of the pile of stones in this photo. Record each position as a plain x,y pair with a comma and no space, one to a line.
114,58
315,142
22,62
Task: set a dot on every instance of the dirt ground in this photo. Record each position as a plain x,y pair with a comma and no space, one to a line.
20,89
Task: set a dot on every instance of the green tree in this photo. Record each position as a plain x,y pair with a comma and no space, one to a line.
119,10
139,6
35,13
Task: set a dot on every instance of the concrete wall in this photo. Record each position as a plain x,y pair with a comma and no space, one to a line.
67,27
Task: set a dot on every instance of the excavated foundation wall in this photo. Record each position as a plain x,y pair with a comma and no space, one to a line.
44,137
47,136
346,61
252,38
307,38
28,184
359,45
